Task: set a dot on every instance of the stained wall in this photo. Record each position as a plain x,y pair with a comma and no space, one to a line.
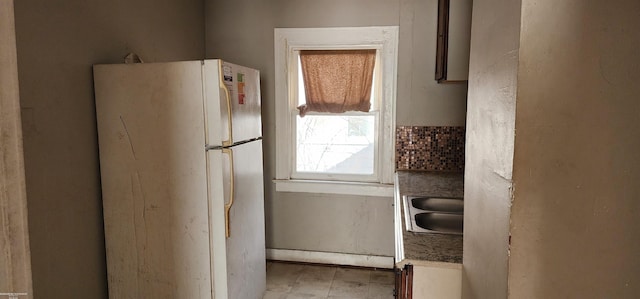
575,228
57,43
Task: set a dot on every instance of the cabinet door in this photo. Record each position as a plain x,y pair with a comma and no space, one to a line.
454,35
404,282
443,281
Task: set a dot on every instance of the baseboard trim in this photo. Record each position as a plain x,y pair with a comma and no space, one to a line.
319,257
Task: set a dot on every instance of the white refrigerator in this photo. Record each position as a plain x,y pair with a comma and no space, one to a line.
182,184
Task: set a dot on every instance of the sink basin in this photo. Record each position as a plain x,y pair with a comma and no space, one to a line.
449,205
440,222
441,215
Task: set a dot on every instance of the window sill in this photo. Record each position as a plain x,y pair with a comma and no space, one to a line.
331,187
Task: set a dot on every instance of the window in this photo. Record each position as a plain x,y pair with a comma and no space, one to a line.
350,152
335,146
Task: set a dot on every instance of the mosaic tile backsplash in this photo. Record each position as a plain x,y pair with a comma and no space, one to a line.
430,148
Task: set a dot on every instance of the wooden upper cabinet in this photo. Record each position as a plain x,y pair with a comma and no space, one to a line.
404,282
454,35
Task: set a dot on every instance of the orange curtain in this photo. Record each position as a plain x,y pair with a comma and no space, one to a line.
337,81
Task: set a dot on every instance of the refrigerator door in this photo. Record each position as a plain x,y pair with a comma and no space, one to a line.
231,90
239,272
154,179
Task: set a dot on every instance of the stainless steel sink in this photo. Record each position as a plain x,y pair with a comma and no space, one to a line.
424,214
448,205
440,222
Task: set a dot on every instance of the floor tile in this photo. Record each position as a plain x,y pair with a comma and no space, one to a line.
307,281
353,275
314,273
275,295
382,277
282,277
380,291
348,289
304,296
312,287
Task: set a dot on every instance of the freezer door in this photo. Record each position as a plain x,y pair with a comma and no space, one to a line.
239,265
154,180
231,90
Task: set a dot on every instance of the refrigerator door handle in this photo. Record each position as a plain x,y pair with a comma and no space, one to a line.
227,205
227,95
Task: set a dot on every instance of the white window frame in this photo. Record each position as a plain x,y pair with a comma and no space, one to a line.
290,40
376,100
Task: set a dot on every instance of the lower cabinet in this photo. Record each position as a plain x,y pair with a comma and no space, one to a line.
428,280
404,282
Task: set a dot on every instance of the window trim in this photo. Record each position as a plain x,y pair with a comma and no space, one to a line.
287,40
335,187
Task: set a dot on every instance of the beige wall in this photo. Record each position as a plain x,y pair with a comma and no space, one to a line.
575,228
343,224
242,32
58,41
421,100
573,220
489,147
15,261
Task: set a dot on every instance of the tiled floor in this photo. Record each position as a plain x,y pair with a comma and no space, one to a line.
293,281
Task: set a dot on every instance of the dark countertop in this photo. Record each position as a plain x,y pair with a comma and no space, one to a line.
430,246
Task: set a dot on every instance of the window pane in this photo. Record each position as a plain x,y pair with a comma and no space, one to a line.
343,144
